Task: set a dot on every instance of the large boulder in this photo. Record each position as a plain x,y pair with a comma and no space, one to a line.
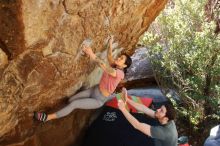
141,67
41,40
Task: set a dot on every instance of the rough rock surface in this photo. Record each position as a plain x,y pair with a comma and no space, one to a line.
141,67
42,39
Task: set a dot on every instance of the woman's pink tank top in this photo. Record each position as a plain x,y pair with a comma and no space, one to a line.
109,83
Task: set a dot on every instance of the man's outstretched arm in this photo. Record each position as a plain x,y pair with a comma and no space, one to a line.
138,106
144,128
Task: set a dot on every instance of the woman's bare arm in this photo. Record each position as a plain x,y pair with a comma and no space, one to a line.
109,53
107,68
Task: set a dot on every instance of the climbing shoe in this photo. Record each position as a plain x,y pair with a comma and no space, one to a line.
40,116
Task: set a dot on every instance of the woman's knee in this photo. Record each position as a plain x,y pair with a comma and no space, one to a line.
101,103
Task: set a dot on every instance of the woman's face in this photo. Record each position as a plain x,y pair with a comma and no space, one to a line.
120,61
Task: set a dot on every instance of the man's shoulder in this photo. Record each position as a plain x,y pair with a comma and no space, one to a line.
171,125
172,122
165,134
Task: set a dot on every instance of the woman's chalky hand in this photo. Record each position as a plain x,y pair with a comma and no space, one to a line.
87,50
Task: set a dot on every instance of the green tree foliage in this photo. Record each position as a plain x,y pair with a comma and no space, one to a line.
185,55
